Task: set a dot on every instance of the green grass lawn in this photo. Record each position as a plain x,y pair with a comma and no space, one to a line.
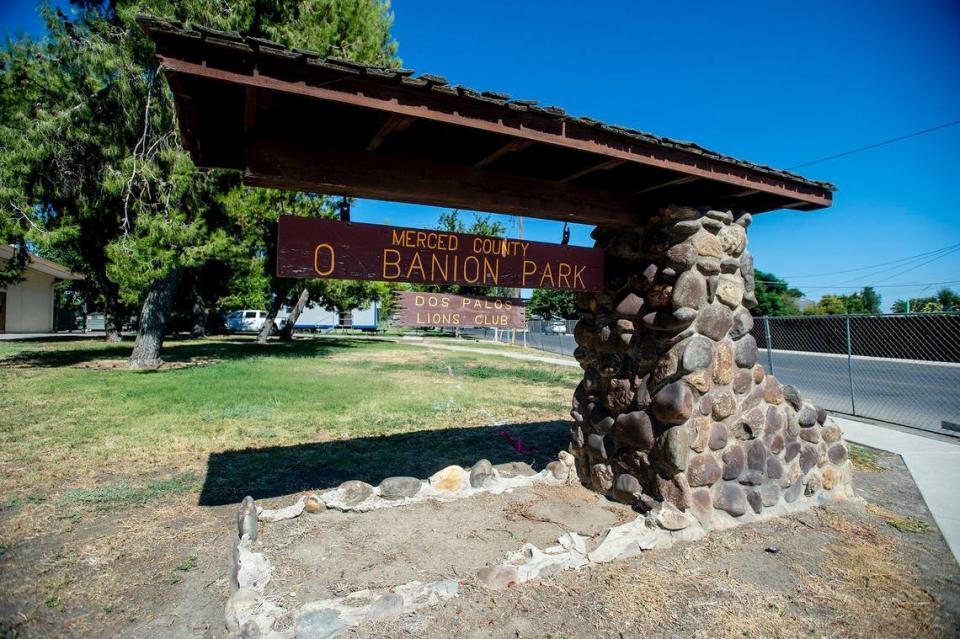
72,423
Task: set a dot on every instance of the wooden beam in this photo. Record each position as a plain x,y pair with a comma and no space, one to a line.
394,124
510,147
602,166
250,110
746,193
380,177
360,92
682,180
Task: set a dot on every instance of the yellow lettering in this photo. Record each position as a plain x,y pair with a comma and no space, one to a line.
577,272
491,270
393,264
526,273
435,267
476,269
397,237
563,272
547,273
316,260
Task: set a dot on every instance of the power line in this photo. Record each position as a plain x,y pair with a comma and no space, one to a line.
875,145
910,264
907,270
872,266
870,285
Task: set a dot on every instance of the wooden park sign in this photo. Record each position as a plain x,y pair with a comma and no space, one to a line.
322,248
443,309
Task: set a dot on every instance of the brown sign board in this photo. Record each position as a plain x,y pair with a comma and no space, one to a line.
323,248
443,309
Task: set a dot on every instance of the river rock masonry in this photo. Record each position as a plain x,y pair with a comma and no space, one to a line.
673,406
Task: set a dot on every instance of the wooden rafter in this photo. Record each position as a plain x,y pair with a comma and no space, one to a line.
394,124
510,147
656,187
602,166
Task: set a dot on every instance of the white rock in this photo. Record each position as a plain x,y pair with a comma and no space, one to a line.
279,514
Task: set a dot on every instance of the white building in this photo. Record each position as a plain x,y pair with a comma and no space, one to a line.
27,306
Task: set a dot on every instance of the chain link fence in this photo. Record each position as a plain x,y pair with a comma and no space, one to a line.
902,369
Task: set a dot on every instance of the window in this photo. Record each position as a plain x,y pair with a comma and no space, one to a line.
250,314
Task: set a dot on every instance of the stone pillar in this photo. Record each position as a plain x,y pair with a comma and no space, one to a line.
673,406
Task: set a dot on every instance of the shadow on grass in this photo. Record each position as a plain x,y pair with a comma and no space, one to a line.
184,350
282,470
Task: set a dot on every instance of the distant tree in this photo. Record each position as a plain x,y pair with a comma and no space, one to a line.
547,303
775,297
945,300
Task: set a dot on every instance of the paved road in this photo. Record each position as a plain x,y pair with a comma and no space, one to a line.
905,392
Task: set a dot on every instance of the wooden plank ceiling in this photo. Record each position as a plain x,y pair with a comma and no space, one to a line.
293,120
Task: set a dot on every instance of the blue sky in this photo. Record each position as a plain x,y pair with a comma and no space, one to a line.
773,82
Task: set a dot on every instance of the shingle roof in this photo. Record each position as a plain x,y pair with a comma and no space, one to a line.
428,82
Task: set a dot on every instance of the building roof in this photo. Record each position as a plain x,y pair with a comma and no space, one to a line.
294,119
42,265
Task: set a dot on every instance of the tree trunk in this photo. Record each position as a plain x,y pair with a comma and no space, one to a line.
267,327
286,333
153,320
199,312
113,316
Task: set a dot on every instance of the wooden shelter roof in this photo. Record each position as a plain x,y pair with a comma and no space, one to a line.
293,119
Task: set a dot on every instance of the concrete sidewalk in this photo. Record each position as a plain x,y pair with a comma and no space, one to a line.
933,463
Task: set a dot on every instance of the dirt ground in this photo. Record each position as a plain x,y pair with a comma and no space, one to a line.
880,571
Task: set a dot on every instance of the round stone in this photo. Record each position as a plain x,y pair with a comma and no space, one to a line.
754,499
808,458
776,444
729,497
596,448
807,416
821,414
758,374
601,476
746,352
703,470
742,323
619,395
313,504
734,461
769,493
733,239
718,436
707,245
715,321
708,265
792,493
673,404
830,433
830,476
682,257
810,435
401,487
723,362
628,306
730,290
742,380
812,485
792,450
481,473
837,453
702,506
697,354
724,404
744,219
353,492
724,216
626,488
774,420
634,430
772,390
675,490
774,468
792,396
757,456
689,291
674,447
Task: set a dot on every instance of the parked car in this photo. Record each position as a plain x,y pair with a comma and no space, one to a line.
555,327
246,321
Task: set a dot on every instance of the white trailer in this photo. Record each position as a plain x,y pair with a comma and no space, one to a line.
316,318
